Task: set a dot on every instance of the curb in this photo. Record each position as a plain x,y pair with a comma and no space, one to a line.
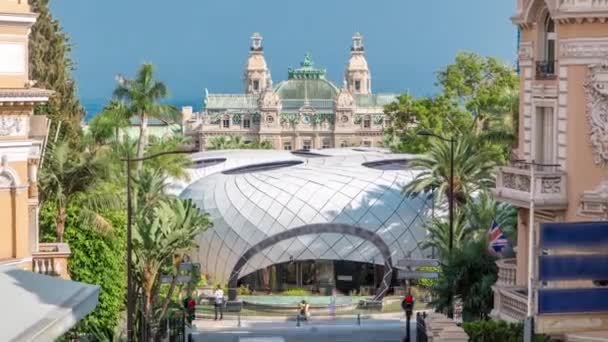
291,318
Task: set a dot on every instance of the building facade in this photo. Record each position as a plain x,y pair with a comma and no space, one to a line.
35,307
306,111
563,58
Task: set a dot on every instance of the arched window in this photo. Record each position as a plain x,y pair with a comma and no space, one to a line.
226,121
545,67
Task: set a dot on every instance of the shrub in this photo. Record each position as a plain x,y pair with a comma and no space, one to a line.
203,281
296,292
498,331
244,290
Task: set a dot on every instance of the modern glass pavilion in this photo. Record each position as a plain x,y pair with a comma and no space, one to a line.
317,219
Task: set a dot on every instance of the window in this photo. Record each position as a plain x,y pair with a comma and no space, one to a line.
358,85
287,146
326,143
545,66
256,85
367,143
247,123
387,122
343,144
544,132
367,122
226,122
307,144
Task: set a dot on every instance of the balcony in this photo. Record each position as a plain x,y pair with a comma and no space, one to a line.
507,268
52,259
513,186
545,70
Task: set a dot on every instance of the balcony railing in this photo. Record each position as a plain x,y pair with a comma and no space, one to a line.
510,304
545,70
52,259
507,268
513,185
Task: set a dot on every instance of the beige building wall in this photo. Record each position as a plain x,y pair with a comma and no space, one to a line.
19,151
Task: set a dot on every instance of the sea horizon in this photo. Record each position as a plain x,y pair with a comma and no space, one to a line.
93,107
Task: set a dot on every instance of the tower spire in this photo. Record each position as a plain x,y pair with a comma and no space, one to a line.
257,75
357,75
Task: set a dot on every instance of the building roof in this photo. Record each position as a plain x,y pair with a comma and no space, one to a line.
332,187
315,89
25,95
37,307
231,101
374,100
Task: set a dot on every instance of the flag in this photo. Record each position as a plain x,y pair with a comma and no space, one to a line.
497,239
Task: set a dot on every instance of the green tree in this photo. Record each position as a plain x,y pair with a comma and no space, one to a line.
96,259
237,143
469,274
104,128
72,176
483,210
438,231
164,227
472,170
50,66
142,97
408,115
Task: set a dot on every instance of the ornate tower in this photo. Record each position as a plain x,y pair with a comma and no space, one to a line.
257,75
357,75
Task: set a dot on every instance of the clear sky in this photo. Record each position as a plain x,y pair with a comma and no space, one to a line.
198,44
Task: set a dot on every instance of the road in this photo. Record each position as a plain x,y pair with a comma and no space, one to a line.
332,331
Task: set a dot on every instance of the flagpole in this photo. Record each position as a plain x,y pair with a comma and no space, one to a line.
531,242
529,323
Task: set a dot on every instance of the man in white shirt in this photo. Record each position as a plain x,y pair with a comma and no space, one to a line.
219,302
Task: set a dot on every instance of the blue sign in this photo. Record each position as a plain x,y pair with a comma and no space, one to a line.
573,267
556,235
559,301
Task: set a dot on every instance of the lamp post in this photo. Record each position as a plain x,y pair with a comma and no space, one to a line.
451,140
130,292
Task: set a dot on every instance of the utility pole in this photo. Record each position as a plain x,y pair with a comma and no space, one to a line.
529,324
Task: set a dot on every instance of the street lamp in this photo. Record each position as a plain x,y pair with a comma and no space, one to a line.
451,140
130,294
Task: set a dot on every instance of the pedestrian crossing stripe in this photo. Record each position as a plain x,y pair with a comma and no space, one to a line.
261,339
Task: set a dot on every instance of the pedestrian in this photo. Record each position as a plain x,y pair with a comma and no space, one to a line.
332,304
219,302
304,310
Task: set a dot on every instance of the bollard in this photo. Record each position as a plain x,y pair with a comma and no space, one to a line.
239,318
358,319
298,320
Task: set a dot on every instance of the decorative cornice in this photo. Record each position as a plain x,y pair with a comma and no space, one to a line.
582,50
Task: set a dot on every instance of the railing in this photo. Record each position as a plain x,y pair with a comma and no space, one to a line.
545,70
509,303
421,327
507,268
438,327
52,259
513,185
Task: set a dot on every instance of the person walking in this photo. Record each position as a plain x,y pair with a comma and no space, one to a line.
219,302
332,304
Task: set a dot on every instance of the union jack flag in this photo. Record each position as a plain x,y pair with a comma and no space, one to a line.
497,239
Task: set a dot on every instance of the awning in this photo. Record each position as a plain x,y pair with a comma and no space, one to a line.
35,307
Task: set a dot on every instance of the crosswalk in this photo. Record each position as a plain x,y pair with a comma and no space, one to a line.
261,339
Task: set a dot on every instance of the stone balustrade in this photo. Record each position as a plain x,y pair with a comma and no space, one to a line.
513,185
510,304
441,328
52,259
507,269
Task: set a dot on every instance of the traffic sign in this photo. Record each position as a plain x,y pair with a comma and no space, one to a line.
417,262
181,279
188,266
416,275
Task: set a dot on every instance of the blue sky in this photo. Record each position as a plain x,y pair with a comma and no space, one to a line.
198,44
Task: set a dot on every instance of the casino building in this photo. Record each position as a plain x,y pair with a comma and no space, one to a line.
306,111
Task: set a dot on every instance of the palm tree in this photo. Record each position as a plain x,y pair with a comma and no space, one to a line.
71,176
438,234
165,226
483,210
473,171
173,165
141,97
